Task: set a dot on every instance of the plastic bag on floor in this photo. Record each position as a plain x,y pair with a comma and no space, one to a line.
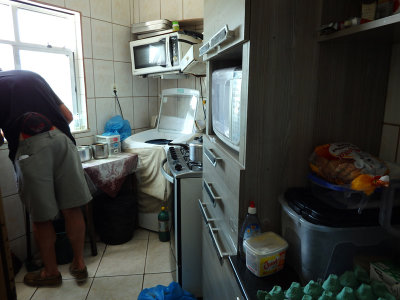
171,292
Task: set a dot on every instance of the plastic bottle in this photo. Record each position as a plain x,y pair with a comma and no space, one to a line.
250,227
163,225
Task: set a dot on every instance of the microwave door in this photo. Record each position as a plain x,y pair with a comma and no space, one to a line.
151,55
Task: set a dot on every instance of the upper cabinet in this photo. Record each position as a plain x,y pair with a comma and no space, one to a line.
150,10
219,13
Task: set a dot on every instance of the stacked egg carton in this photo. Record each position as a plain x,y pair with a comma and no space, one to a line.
351,285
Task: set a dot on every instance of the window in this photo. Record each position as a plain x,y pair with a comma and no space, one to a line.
46,40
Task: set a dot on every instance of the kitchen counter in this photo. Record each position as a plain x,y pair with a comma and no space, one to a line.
250,284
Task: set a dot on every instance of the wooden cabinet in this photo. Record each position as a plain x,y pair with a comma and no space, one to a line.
234,14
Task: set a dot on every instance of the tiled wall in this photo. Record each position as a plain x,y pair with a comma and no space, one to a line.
106,34
390,144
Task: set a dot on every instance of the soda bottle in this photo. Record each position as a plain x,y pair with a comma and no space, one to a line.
163,225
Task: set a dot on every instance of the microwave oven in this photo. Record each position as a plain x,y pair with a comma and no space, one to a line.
160,54
225,104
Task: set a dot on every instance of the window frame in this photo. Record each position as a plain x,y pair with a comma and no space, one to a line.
75,56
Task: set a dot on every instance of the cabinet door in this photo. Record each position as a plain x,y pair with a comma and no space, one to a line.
217,14
193,9
219,282
171,9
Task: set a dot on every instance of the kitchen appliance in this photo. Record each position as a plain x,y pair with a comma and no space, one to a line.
186,229
196,150
225,101
160,54
85,153
100,150
325,240
113,142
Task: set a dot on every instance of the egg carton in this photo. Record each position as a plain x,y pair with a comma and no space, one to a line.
351,285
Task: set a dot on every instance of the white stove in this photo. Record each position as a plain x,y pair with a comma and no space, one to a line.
180,164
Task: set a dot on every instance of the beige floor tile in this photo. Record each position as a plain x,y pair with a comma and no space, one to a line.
141,234
116,287
125,259
92,262
159,257
153,235
24,292
151,280
69,290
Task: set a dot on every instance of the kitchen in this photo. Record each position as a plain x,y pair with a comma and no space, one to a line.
293,64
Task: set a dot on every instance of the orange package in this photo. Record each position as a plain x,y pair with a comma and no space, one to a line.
346,164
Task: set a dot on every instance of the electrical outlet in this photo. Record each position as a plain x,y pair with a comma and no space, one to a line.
114,88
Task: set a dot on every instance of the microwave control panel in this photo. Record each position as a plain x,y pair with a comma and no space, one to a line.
173,46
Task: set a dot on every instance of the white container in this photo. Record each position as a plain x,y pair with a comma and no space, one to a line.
265,253
113,142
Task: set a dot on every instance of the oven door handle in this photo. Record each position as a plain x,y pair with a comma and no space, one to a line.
213,198
202,207
211,156
167,176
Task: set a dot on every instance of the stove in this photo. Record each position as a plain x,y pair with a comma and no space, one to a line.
180,164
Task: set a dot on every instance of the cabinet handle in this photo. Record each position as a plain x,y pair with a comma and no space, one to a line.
213,198
211,156
203,212
221,255
167,176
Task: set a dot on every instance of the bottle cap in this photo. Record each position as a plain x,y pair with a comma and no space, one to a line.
162,208
252,208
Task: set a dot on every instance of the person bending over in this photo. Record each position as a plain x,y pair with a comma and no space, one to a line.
50,177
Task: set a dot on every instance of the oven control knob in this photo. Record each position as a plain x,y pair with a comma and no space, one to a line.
178,167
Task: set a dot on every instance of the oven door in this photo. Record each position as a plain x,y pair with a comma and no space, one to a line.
150,55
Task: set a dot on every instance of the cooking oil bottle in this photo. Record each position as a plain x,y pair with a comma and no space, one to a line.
250,227
163,225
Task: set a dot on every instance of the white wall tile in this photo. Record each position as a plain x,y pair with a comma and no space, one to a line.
60,3
14,214
92,117
105,109
140,86
121,39
102,40
121,12
7,183
193,9
154,106
392,109
140,112
389,143
101,9
123,78
87,37
168,84
153,86
89,78
127,109
149,10
80,5
187,83
171,9
103,72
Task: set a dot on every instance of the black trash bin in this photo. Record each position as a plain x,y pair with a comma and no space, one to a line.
115,218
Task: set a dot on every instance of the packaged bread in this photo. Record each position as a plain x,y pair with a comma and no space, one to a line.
346,164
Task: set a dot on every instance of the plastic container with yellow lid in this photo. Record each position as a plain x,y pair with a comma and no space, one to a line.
265,253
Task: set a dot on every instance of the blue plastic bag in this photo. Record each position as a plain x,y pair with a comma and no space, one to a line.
117,125
171,292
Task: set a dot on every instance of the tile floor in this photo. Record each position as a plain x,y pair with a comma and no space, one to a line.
117,272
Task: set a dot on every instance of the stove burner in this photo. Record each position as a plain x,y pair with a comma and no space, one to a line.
183,160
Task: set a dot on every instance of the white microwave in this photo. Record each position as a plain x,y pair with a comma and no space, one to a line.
160,54
225,103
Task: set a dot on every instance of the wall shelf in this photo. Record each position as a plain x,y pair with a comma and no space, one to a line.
370,30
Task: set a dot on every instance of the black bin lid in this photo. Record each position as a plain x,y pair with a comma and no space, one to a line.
313,210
